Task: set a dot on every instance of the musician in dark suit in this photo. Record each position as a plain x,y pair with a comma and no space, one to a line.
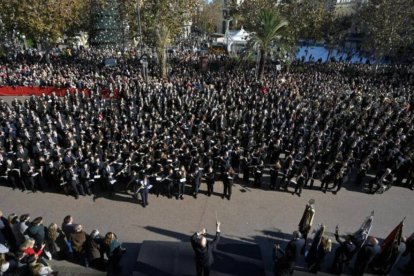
168,183
71,176
274,172
300,182
182,179
287,172
258,173
143,190
108,178
195,179
228,177
13,176
26,174
210,175
203,250
244,164
85,178
22,152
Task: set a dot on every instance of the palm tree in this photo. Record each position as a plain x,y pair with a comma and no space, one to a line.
267,34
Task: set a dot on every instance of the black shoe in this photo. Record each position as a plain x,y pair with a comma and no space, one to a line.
228,198
293,193
76,196
299,195
324,191
334,192
222,197
181,197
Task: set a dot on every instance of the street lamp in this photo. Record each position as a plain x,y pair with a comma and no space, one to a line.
139,24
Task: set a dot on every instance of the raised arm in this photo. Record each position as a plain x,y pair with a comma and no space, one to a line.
217,238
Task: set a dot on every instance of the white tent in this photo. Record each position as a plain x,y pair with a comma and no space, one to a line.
235,40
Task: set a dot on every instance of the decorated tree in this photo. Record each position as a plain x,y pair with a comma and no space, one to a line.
106,28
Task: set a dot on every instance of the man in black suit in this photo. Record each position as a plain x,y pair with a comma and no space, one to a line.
196,179
365,255
26,174
227,183
210,180
203,250
72,178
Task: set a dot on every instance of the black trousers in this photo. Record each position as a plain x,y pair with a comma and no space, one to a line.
298,189
202,270
210,187
227,188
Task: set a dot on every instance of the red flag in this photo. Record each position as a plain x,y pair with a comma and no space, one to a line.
393,237
387,253
384,261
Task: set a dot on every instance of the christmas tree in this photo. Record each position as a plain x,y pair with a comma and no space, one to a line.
106,25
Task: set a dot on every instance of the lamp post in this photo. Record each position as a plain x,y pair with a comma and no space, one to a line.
139,24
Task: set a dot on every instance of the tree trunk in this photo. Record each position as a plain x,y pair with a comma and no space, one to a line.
262,63
163,62
329,54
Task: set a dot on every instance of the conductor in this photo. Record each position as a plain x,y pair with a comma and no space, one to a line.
203,250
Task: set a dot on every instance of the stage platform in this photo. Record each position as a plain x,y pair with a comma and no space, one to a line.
177,258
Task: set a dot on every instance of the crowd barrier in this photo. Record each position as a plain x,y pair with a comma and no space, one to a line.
38,91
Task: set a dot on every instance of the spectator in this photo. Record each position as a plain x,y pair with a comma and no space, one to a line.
94,250
78,239
113,250
56,243
36,231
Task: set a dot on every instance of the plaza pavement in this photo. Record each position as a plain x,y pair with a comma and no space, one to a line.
252,215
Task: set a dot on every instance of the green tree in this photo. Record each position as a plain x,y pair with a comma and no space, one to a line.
388,28
306,18
335,30
162,21
44,21
268,33
248,12
209,15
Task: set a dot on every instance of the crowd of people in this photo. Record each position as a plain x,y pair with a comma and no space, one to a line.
26,246
334,123
358,253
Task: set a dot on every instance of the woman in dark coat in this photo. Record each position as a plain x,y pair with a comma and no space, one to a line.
56,242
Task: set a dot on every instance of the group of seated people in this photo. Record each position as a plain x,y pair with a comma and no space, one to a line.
26,245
